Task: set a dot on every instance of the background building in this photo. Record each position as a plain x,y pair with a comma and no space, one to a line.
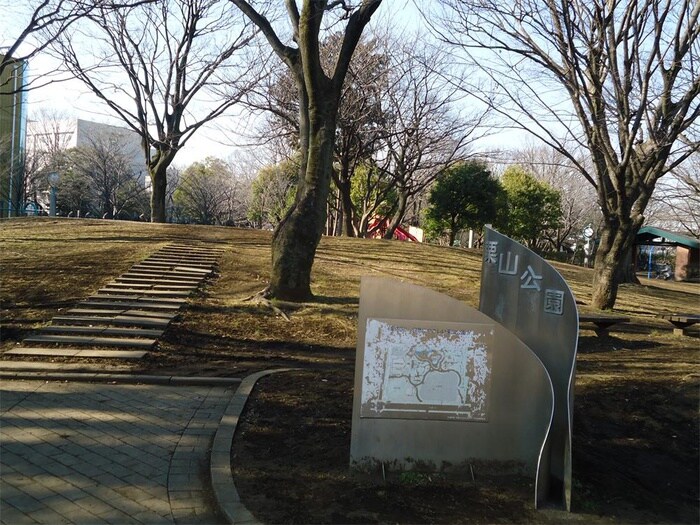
657,247
13,120
76,133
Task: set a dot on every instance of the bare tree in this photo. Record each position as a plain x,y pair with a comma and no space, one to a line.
676,203
621,79
360,117
425,129
174,174
48,138
160,68
209,193
578,200
272,193
297,236
45,21
397,112
361,122
115,187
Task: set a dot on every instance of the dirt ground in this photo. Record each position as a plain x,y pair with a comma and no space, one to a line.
635,449
636,429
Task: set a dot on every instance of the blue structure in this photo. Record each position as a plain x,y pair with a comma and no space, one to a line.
13,126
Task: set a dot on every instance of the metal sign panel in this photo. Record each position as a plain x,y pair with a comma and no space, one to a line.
439,384
529,297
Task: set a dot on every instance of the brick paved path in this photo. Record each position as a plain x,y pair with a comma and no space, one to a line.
95,453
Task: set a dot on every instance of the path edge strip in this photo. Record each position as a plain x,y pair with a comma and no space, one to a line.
120,378
221,476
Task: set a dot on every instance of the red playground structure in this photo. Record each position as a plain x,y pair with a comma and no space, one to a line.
378,227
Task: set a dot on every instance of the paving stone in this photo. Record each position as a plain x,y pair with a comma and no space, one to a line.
43,516
94,506
11,516
137,446
23,502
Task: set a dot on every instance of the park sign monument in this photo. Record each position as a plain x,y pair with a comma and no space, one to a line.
440,385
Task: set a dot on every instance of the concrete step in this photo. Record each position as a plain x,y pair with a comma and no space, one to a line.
193,269
120,320
156,315
77,352
101,331
160,281
147,292
164,276
135,299
171,270
192,249
129,304
17,366
153,285
186,261
92,341
181,271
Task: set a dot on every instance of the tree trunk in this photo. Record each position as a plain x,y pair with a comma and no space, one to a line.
158,188
347,210
453,234
616,242
347,207
628,267
398,215
297,236
158,168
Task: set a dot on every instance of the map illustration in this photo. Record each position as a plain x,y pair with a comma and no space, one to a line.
426,373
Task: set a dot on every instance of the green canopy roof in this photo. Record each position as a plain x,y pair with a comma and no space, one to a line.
648,233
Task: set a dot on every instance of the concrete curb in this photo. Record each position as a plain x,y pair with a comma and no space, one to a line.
225,491
122,378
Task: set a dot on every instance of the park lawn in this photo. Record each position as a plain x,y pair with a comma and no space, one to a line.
635,422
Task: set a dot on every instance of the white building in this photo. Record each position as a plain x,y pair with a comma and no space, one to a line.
51,136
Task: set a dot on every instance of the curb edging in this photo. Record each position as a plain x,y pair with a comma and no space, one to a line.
221,476
122,378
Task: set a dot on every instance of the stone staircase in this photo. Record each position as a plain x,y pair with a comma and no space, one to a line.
124,319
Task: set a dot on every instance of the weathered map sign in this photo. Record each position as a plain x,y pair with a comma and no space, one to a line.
530,298
439,384
442,372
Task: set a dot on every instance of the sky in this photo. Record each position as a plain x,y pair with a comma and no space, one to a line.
73,98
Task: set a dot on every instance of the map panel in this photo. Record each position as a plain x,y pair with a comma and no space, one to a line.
437,372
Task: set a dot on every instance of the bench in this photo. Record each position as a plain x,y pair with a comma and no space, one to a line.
681,321
602,322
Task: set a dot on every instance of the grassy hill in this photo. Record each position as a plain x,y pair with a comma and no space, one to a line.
50,264
635,430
